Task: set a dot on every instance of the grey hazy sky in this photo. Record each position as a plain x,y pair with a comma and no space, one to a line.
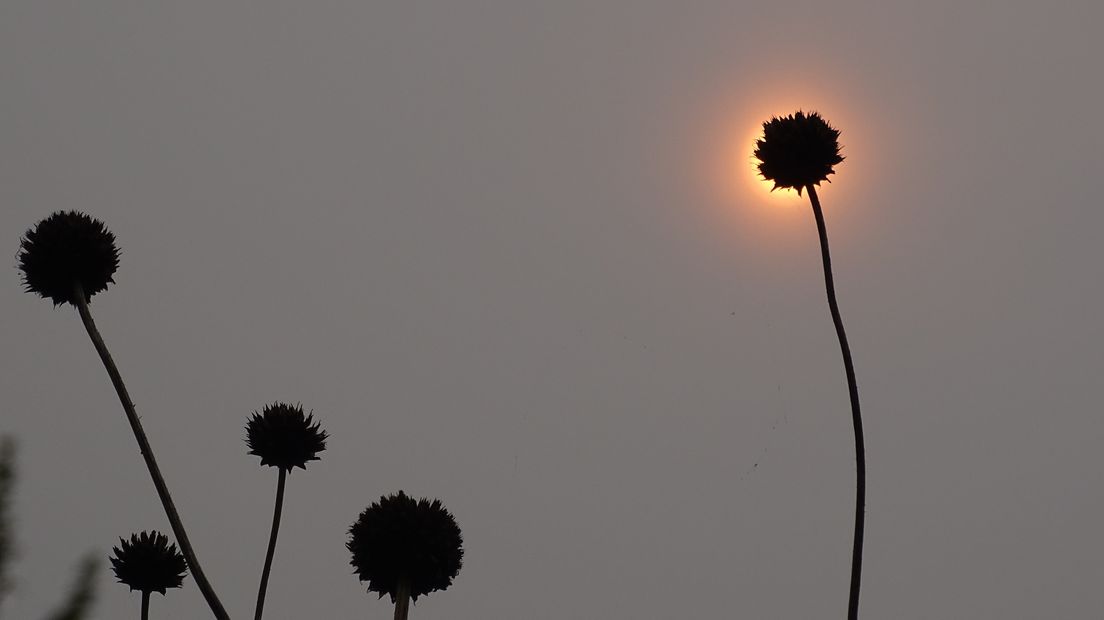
486,243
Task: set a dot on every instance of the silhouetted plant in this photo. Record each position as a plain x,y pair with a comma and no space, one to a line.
78,605
405,548
284,437
400,546
7,482
78,601
68,257
798,152
149,563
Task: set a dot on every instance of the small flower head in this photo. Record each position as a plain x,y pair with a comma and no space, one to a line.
66,249
148,562
283,436
798,150
400,538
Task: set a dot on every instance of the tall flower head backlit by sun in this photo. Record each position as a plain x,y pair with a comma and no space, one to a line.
798,150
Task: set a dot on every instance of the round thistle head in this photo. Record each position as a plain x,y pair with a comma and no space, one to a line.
798,150
399,538
283,436
66,249
148,562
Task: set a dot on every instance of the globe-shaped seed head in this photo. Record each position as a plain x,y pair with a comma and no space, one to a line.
148,562
284,437
400,538
798,150
66,249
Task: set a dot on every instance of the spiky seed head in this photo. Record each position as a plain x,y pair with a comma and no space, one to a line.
283,436
148,562
400,538
798,150
65,249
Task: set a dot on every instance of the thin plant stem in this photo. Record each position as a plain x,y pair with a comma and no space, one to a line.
856,415
402,599
147,454
271,543
145,605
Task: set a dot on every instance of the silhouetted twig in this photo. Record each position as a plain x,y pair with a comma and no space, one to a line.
856,414
147,454
276,512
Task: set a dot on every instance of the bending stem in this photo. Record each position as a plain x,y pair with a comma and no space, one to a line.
856,415
147,454
276,512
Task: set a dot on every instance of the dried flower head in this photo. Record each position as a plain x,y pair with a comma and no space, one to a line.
400,538
798,150
66,249
283,436
148,562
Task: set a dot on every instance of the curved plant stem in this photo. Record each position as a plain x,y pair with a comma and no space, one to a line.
856,415
271,543
145,605
402,599
147,454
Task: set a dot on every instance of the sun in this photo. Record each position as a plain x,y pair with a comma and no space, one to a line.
733,168
733,122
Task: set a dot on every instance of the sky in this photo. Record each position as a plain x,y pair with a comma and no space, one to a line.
513,256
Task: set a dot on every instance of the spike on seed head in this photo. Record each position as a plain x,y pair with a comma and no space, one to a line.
148,562
284,437
399,538
63,250
798,150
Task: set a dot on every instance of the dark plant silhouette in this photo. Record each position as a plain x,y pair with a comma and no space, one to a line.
400,546
65,251
67,258
78,605
405,548
149,563
78,602
284,437
7,482
798,152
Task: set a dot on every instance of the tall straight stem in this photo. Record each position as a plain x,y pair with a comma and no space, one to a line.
402,599
145,605
856,415
147,454
271,543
